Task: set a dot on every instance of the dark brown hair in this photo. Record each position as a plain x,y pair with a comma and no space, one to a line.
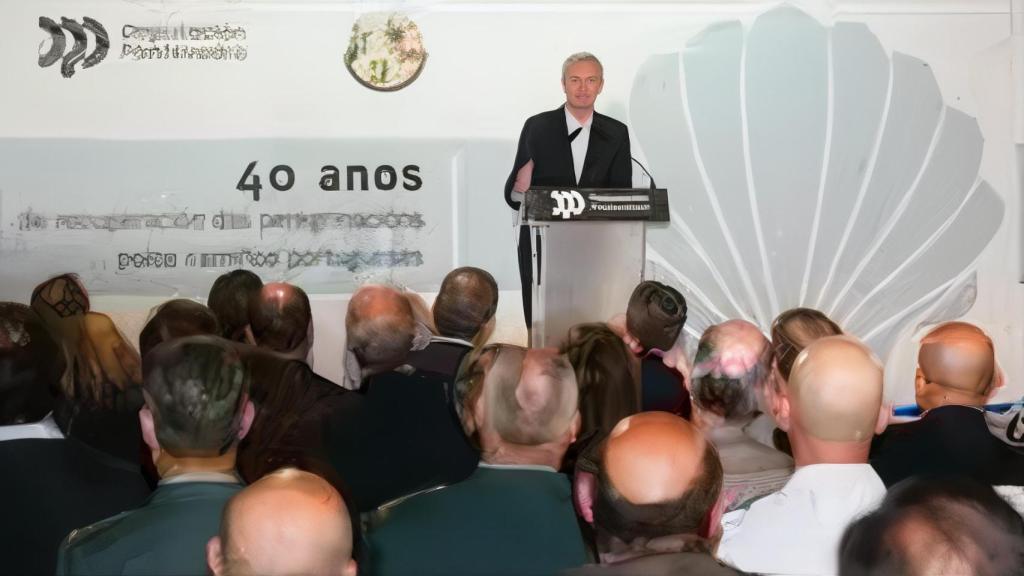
793,330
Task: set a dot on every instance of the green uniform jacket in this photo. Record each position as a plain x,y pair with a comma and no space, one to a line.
167,535
503,520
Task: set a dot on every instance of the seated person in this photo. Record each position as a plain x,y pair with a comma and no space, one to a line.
653,329
608,375
956,375
514,514
830,407
791,332
397,435
463,315
196,411
729,373
935,526
654,500
176,319
280,320
288,522
229,299
53,484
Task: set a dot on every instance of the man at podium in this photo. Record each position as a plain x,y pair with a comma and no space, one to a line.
571,145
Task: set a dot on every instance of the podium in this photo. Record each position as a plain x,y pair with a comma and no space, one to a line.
588,247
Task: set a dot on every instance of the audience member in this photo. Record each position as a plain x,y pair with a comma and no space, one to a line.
52,484
654,499
935,526
608,376
653,329
176,319
281,320
399,434
196,411
514,514
830,407
463,314
730,372
229,299
956,375
289,522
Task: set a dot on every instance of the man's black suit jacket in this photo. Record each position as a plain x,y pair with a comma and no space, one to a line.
51,487
949,440
545,140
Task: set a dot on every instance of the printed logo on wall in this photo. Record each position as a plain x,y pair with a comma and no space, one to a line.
58,44
385,51
570,203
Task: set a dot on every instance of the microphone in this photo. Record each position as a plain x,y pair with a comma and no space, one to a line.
651,178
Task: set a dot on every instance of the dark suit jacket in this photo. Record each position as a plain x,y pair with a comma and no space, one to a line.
545,140
397,439
498,521
166,536
950,440
51,487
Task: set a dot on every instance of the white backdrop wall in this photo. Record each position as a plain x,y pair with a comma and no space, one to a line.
169,138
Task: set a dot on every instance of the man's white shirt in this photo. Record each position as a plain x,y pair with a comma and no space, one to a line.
797,529
581,143
45,429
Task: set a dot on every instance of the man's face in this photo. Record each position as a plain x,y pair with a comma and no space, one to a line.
582,83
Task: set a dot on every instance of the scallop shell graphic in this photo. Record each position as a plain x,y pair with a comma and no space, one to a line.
385,51
808,167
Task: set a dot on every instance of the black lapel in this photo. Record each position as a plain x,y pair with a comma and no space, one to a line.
597,149
563,137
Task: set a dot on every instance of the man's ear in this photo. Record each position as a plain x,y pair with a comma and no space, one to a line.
148,430
584,490
998,381
350,568
780,409
574,428
884,414
248,414
214,558
421,337
920,382
249,338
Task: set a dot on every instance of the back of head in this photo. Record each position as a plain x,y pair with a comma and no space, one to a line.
288,522
62,296
835,391
657,476
935,526
280,317
531,400
379,327
656,314
229,299
607,373
31,366
732,363
466,302
195,387
793,330
957,365
176,319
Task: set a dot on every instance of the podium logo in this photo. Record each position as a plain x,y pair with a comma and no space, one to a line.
76,55
570,203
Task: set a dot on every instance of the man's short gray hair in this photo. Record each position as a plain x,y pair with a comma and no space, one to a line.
581,57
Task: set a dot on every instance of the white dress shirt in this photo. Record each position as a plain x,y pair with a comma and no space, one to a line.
581,143
797,529
45,429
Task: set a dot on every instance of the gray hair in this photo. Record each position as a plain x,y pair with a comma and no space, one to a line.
581,57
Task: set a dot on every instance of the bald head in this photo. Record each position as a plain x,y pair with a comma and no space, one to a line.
658,476
380,327
956,357
835,391
288,522
732,363
280,319
529,396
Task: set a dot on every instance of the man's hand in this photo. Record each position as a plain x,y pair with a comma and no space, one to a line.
523,178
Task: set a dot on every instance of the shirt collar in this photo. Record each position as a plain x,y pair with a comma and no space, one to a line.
534,467
45,429
216,477
815,476
572,123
